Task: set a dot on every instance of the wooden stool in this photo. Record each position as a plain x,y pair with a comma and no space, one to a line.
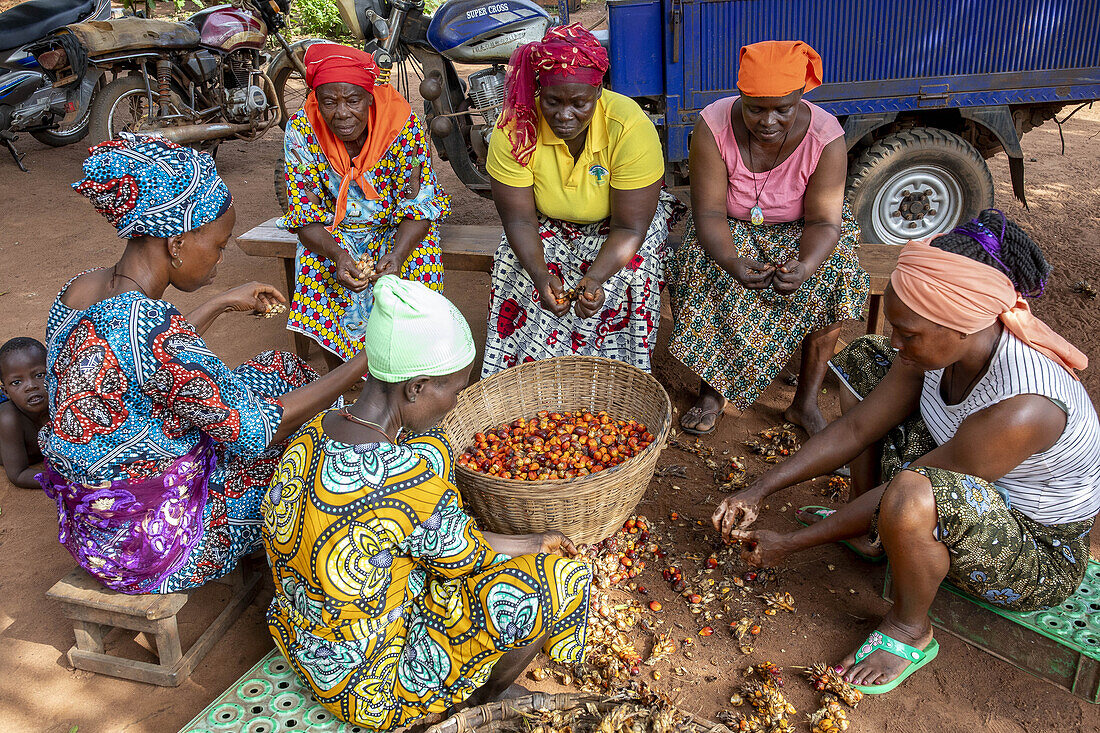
96,610
878,261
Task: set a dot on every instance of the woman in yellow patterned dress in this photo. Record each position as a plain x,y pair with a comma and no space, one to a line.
360,186
390,603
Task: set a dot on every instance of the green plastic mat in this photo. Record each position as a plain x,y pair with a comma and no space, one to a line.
268,699
1074,623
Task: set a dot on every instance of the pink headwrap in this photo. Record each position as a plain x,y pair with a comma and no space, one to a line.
566,54
966,295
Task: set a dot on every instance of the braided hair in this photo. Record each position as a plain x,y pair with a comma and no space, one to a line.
995,240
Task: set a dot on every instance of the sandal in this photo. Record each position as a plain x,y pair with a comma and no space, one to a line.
821,512
718,413
917,658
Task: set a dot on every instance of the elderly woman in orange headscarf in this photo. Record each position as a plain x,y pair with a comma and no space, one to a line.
768,260
363,198
577,174
975,451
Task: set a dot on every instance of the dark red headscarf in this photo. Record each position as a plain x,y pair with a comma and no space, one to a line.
332,62
567,54
389,113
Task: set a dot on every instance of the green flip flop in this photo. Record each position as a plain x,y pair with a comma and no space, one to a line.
917,658
823,511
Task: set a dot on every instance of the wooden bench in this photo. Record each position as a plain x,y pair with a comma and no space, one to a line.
471,247
96,610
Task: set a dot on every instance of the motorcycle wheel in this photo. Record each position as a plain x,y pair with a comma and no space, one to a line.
280,185
63,136
291,91
120,107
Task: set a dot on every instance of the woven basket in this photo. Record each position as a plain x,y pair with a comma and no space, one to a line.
585,509
495,717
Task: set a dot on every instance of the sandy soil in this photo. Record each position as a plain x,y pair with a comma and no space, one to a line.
48,234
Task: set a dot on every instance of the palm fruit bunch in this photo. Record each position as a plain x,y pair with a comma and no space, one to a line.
775,444
824,678
829,718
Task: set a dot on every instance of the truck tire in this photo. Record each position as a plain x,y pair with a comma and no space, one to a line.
916,184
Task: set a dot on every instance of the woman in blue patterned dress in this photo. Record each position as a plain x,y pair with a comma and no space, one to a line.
157,453
389,602
360,188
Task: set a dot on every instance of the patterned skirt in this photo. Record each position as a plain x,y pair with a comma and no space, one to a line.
998,553
738,339
231,518
520,330
334,316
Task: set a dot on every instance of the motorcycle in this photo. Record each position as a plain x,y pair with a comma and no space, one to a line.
55,114
195,82
460,112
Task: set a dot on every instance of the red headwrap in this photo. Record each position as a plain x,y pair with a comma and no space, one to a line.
567,54
777,68
389,113
331,62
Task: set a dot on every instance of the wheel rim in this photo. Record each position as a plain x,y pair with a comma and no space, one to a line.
294,92
128,112
917,203
80,123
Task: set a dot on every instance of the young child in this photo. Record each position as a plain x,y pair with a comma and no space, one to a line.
27,410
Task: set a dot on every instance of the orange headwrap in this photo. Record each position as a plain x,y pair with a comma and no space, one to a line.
389,113
966,295
777,68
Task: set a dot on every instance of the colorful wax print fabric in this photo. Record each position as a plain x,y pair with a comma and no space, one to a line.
133,390
322,308
737,340
998,553
389,603
521,330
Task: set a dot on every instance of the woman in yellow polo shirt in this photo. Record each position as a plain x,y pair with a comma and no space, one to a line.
577,179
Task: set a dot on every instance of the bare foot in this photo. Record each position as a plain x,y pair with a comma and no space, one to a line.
808,418
860,544
881,667
704,415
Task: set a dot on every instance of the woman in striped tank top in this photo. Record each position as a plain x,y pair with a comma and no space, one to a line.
975,451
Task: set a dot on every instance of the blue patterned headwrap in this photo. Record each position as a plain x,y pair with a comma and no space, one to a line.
151,186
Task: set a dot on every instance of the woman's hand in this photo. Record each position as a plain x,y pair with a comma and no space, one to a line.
555,543
750,273
736,512
590,297
552,295
253,297
387,264
762,548
348,273
790,275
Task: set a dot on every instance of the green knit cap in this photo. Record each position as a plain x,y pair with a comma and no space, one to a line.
413,330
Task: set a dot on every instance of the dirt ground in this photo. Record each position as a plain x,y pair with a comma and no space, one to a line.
49,234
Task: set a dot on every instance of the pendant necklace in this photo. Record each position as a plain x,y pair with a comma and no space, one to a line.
367,423
756,214
135,282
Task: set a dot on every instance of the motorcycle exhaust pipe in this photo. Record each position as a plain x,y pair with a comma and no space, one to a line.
188,134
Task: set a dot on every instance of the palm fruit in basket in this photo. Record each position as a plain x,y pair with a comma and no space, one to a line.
555,445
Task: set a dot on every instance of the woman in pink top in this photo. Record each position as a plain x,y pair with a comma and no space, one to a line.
768,260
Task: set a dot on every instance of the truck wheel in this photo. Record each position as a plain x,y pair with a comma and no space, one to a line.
916,184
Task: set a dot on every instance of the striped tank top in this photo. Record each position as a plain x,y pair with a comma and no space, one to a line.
1059,485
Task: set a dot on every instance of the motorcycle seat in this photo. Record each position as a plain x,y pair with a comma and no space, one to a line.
34,19
131,35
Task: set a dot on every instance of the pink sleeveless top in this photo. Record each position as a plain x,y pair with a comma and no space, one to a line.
781,198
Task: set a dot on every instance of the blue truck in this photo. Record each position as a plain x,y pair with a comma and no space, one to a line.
926,90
